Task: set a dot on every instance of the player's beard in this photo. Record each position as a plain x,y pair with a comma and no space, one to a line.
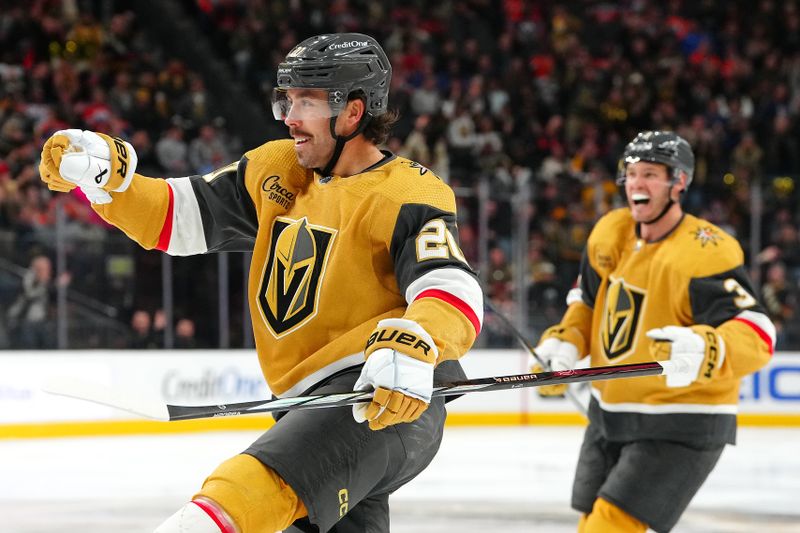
316,152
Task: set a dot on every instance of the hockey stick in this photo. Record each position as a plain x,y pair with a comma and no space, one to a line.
522,340
132,403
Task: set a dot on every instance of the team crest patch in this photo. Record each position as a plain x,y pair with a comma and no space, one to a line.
289,292
707,235
622,313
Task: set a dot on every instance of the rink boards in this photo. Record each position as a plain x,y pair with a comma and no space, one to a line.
769,398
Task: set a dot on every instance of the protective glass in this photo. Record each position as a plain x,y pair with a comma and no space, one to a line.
307,104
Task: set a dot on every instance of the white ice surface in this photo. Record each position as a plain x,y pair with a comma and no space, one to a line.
484,479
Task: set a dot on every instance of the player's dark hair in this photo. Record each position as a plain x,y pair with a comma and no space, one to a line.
378,128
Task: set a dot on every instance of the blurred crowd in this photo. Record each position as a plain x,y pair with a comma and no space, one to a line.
534,97
61,67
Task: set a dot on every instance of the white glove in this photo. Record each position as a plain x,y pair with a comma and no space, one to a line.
557,354
97,164
688,350
403,382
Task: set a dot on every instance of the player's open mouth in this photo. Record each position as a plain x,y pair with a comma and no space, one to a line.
640,199
300,140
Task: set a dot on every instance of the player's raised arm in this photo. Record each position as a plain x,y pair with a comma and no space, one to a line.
181,216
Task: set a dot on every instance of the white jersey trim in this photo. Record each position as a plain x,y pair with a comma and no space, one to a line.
574,295
187,225
761,321
324,372
453,281
669,408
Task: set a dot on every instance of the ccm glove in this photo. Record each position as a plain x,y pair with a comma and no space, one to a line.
400,359
92,161
697,351
558,352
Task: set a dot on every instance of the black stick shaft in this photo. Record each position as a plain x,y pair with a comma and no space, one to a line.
517,381
528,346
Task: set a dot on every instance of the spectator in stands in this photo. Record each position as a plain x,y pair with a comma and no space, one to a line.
172,152
141,337
416,146
780,300
184,334
785,246
30,317
499,272
207,152
159,328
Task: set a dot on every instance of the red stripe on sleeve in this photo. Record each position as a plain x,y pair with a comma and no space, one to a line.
222,523
456,302
761,333
166,230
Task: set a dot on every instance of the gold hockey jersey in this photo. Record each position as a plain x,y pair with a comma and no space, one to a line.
330,257
627,286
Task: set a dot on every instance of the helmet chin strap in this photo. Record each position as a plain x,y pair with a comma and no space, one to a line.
669,204
340,142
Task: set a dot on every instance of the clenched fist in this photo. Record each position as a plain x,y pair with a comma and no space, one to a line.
95,162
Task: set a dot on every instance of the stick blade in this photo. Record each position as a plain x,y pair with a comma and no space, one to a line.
124,400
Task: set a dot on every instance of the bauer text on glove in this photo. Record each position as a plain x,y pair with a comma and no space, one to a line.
95,162
400,358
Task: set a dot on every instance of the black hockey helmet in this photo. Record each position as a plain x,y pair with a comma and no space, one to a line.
339,63
663,147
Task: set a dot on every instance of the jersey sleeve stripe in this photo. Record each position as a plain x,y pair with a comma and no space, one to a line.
188,237
459,304
166,230
762,325
457,287
212,513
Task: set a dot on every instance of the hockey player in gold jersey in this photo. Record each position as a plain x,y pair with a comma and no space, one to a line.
657,284
356,282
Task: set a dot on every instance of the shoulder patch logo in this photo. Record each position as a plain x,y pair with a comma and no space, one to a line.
621,315
290,284
707,235
422,170
276,192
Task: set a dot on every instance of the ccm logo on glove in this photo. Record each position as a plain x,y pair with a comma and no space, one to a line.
697,351
712,353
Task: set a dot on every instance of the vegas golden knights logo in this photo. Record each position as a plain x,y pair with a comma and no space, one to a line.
290,286
621,318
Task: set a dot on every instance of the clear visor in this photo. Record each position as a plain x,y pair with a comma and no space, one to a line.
622,174
307,104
